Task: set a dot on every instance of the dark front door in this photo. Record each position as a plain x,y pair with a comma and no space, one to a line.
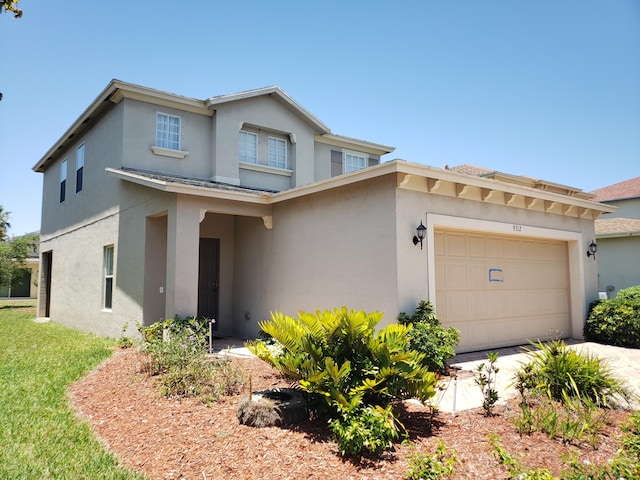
209,270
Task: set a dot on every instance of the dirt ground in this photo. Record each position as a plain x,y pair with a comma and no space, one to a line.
170,438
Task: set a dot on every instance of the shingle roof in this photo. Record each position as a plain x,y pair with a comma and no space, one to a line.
617,226
618,191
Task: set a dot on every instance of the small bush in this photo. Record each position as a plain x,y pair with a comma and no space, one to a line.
350,371
369,429
429,337
631,293
563,373
440,464
176,353
616,321
485,378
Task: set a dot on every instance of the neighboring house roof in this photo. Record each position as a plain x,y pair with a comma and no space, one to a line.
618,191
617,227
523,180
116,90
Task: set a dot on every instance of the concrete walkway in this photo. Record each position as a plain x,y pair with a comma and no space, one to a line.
463,394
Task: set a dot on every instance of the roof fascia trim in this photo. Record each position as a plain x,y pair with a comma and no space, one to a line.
272,90
171,187
348,142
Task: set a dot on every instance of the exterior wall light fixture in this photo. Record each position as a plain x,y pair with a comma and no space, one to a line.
593,248
421,231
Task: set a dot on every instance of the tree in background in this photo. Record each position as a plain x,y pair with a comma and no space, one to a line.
10,6
13,252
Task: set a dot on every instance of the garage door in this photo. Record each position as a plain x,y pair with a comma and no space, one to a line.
500,290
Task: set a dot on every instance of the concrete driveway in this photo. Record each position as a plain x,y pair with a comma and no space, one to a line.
464,394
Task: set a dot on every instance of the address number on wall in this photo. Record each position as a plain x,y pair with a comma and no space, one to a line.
517,228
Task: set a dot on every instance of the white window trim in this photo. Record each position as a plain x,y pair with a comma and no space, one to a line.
79,149
286,154
255,135
168,152
105,276
179,131
353,153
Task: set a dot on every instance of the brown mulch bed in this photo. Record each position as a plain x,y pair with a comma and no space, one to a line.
167,438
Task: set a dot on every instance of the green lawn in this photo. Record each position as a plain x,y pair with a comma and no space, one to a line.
40,436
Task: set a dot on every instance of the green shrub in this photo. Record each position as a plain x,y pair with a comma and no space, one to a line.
616,321
370,429
485,378
429,337
631,293
440,464
346,366
176,353
563,373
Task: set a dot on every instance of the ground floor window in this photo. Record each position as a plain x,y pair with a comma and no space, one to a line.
108,276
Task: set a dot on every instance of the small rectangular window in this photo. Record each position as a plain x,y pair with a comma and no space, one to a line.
248,147
353,162
277,152
63,180
79,167
108,277
167,131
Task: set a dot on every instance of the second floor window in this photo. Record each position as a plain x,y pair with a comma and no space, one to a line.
353,162
79,167
277,152
167,131
63,180
248,147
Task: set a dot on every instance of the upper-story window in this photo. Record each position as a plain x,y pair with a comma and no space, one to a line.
277,152
167,131
63,180
353,161
248,147
79,167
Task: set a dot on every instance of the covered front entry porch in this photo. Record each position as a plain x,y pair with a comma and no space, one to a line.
190,256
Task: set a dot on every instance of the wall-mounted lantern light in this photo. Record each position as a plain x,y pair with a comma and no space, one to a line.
421,231
593,248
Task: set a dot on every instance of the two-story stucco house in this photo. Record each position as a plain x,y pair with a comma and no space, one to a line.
238,205
618,236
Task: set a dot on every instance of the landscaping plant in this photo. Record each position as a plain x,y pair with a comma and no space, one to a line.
351,371
440,464
485,378
176,352
561,373
616,321
624,465
429,337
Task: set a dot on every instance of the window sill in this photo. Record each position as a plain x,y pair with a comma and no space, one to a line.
167,152
266,169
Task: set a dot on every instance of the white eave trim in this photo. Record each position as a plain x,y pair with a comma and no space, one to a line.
273,90
347,142
173,187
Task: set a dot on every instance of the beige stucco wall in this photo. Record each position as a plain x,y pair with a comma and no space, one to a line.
327,250
450,212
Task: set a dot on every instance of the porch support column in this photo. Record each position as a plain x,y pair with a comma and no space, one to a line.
183,245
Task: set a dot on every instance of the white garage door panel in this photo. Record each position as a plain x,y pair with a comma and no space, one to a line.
499,290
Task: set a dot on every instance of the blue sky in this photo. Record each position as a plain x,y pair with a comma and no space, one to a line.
549,89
